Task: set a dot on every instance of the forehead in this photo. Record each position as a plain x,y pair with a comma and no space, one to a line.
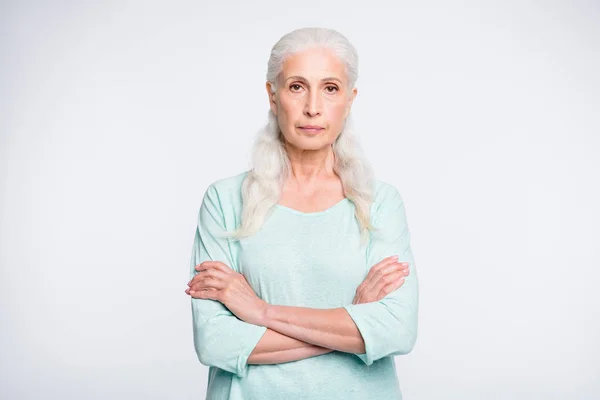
313,64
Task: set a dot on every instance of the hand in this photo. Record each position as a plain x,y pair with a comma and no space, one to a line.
382,279
217,281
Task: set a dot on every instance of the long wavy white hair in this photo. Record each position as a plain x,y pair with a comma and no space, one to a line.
262,186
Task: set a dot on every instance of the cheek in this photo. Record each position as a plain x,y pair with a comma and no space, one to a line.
336,112
286,115
288,108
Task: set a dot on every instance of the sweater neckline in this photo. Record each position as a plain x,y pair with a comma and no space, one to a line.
315,213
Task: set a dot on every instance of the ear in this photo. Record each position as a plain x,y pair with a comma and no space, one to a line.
349,105
272,101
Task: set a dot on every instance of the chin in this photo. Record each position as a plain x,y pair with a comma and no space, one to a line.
310,144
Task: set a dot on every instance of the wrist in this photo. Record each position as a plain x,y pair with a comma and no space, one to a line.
265,314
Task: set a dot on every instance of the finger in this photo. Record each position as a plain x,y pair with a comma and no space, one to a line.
202,269
401,267
405,270
382,264
203,265
366,298
359,299
389,283
211,278
389,288
386,280
204,294
224,268
391,268
382,273
212,264
388,267
212,271
195,278
363,295
189,290
392,257
377,272
209,283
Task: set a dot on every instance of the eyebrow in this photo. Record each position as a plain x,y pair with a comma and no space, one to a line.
301,78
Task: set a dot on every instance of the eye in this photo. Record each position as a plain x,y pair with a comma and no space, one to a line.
294,85
335,89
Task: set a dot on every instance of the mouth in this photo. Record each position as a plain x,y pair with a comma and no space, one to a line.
311,128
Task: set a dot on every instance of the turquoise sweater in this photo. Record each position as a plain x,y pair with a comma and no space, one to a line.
308,260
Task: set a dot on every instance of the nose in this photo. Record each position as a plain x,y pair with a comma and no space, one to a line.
312,106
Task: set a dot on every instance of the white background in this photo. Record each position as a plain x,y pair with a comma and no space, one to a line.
115,116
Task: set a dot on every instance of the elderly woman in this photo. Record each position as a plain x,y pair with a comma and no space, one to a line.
303,279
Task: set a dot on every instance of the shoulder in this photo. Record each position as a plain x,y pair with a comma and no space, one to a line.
388,209
227,190
229,184
385,194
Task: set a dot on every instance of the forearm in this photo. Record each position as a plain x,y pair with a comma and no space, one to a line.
274,348
330,328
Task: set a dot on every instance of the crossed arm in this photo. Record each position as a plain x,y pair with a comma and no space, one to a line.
292,332
284,333
275,348
328,329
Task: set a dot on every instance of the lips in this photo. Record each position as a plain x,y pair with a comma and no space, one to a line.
314,127
311,129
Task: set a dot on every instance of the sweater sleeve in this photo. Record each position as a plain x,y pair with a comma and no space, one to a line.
389,326
220,338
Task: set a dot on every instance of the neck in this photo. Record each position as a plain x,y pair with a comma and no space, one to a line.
311,165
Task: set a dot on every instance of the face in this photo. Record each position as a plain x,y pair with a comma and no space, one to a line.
312,99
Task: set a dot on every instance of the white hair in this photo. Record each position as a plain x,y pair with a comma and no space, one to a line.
262,186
